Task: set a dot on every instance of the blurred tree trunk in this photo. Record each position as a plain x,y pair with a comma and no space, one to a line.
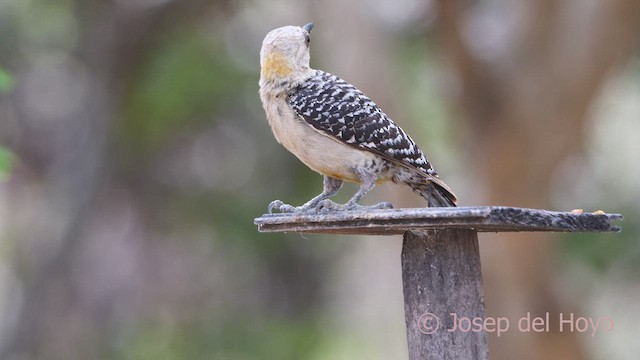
525,103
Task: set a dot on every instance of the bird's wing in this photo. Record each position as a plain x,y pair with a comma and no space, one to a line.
339,109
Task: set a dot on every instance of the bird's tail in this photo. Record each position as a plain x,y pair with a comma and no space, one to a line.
436,192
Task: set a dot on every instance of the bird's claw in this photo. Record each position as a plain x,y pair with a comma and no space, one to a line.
278,205
274,204
327,205
282,207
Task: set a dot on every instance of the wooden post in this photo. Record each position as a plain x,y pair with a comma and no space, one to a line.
441,275
442,282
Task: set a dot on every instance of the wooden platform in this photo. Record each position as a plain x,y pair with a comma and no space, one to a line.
441,272
479,218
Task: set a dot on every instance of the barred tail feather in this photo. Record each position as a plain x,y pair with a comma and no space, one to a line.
436,194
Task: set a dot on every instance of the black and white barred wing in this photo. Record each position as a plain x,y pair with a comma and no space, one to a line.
338,108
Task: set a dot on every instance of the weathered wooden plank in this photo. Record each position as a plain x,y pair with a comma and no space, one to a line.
479,218
440,261
441,276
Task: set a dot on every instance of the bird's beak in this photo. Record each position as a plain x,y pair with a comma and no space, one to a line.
308,27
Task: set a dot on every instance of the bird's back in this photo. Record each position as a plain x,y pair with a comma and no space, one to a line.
337,108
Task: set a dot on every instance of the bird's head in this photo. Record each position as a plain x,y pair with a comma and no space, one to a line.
285,51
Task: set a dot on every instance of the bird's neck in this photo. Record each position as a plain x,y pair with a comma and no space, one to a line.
278,73
275,66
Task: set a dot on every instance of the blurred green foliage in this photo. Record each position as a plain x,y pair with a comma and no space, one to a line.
7,159
6,81
278,338
181,81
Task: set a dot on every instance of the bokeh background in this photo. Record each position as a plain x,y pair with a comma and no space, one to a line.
134,155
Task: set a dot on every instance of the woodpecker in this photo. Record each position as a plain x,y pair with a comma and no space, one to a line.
337,131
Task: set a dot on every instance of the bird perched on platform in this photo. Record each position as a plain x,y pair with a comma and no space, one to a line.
337,131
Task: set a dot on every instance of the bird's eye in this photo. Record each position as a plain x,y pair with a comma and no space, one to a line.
307,39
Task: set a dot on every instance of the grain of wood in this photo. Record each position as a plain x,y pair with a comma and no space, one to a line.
398,221
441,276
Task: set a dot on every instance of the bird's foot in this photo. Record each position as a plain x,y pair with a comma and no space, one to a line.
325,206
289,209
